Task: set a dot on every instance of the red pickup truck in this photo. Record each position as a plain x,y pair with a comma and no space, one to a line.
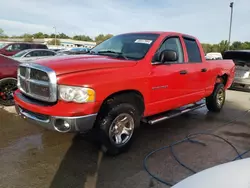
129,78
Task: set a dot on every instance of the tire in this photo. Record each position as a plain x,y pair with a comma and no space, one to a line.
7,87
120,119
216,100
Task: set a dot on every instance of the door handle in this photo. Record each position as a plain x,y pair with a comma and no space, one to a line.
183,72
204,70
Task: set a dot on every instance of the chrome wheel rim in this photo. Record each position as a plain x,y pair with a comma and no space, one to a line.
220,97
121,129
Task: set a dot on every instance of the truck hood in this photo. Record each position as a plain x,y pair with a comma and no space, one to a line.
76,63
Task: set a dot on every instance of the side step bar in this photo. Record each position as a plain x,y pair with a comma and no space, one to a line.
171,114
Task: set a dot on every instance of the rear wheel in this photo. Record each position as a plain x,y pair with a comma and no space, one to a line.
216,100
7,87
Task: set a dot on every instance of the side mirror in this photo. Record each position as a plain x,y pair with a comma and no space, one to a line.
168,56
28,55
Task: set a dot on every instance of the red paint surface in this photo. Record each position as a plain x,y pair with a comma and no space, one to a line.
8,67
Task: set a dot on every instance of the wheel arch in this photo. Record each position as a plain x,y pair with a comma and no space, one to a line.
7,78
138,99
222,78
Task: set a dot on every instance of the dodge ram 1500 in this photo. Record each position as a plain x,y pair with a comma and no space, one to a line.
129,78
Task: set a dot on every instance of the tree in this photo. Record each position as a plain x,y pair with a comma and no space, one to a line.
100,38
245,45
38,35
52,36
82,38
46,35
236,45
63,36
223,46
1,32
53,42
2,35
27,37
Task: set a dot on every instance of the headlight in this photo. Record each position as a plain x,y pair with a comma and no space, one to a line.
76,94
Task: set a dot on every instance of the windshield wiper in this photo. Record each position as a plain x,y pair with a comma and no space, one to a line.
118,54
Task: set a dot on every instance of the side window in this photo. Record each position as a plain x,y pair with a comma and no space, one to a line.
14,47
50,53
10,48
192,50
45,53
41,53
173,43
24,46
35,53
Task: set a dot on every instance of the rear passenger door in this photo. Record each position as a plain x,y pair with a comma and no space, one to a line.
196,69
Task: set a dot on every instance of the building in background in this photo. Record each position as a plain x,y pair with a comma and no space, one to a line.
64,43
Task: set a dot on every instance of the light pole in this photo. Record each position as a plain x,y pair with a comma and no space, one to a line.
231,20
55,34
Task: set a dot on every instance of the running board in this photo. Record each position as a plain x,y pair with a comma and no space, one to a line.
167,115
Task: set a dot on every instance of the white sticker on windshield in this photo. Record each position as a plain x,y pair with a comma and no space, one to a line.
143,41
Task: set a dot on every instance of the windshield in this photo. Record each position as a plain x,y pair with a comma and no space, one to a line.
131,46
2,45
20,54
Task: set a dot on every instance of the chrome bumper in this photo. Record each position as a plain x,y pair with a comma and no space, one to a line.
76,124
245,81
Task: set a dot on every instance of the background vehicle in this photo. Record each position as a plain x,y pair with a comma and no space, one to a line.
213,56
147,76
241,59
73,51
33,54
10,49
8,82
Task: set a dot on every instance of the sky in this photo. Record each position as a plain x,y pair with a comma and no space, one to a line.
208,20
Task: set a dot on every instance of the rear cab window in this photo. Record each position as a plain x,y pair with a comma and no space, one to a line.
193,50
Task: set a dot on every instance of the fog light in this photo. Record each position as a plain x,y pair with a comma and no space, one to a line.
62,125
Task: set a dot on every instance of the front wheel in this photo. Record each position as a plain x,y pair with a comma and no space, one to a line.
7,87
117,128
216,100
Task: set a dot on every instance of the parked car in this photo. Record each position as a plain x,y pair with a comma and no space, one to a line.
33,54
73,51
213,56
129,78
8,81
10,49
241,59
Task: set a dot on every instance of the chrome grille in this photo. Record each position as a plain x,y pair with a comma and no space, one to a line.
38,82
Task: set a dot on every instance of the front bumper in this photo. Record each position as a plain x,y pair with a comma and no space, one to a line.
59,123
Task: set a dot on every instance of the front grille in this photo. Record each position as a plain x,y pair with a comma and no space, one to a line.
40,90
22,71
39,75
37,82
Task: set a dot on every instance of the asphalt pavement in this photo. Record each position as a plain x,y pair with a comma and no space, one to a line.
33,157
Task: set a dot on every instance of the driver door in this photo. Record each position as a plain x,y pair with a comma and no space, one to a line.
168,81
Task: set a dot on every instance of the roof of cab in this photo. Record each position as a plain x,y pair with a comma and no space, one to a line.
161,33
